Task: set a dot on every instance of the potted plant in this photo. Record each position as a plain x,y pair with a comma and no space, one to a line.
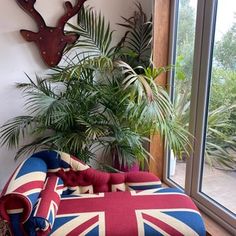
100,99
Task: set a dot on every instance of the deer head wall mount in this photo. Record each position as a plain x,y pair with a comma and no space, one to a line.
51,41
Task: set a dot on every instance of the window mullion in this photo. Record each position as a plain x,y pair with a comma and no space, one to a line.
195,93
200,89
171,74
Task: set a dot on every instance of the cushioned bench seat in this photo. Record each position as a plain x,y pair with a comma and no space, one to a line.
53,193
149,212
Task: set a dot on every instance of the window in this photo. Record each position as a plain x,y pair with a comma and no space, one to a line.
218,170
204,95
182,78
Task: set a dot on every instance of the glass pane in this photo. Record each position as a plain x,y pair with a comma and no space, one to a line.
183,78
219,169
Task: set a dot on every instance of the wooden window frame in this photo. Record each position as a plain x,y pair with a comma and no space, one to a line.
161,19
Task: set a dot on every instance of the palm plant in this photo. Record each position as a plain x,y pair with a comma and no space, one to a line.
97,100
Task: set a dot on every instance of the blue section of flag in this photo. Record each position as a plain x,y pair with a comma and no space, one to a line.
38,222
51,218
68,194
192,219
144,187
170,190
64,165
61,221
93,232
60,181
148,230
32,165
33,197
51,158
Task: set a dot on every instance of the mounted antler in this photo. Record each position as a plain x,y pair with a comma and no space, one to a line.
51,41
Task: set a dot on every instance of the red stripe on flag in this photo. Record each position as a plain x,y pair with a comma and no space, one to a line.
29,186
164,226
81,228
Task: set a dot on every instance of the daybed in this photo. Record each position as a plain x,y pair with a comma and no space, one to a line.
53,193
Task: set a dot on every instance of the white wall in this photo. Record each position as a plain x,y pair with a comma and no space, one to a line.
18,56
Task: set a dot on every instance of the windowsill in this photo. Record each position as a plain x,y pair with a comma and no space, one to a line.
212,227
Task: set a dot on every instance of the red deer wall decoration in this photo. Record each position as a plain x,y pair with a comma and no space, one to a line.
51,41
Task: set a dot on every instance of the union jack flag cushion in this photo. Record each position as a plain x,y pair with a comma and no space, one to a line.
81,178
142,213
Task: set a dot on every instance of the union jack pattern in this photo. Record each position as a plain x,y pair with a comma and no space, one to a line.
135,186
143,185
178,222
22,191
91,223
57,161
57,195
148,212
48,203
185,220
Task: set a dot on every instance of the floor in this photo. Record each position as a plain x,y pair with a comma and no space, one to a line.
218,185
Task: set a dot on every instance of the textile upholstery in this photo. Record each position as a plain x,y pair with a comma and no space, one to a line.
48,204
147,212
22,190
53,193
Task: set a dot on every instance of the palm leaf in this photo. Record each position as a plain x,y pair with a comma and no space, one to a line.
15,129
96,34
34,146
137,38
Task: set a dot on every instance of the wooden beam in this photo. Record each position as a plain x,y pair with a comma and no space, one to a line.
161,19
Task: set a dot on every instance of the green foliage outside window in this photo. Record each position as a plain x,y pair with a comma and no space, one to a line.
221,130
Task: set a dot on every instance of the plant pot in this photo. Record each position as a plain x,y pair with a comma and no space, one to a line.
125,168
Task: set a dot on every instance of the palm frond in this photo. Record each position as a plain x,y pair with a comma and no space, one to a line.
219,158
125,146
34,146
137,38
16,129
135,79
96,35
177,138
